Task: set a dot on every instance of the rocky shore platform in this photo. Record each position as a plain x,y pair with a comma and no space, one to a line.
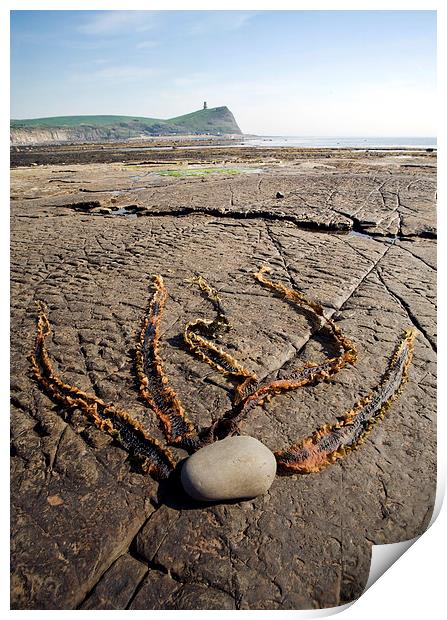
353,230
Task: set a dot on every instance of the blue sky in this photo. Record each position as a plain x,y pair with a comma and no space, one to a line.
370,73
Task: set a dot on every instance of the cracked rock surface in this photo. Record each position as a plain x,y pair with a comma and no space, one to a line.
89,531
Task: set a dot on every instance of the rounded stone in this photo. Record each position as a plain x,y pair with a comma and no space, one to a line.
233,468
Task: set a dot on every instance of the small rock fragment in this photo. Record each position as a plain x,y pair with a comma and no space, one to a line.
279,195
55,500
233,468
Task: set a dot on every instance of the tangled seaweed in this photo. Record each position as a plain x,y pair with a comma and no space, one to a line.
324,447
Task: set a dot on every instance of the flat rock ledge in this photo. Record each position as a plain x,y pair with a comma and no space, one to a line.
88,530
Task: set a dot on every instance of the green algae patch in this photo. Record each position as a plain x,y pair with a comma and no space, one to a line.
199,172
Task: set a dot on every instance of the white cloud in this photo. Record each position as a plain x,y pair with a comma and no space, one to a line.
117,22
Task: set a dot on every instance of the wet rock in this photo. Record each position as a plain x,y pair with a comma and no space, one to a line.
234,468
85,206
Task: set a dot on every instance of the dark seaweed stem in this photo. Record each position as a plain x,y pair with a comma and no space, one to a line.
196,334
212,354
333,442
220,323
298,299
306,375
310,373
119,424
154,384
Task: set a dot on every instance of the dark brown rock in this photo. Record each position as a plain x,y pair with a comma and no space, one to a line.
118,585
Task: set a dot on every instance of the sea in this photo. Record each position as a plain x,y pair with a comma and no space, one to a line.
341,142
362,143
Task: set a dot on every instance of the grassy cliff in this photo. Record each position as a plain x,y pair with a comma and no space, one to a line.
213,121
